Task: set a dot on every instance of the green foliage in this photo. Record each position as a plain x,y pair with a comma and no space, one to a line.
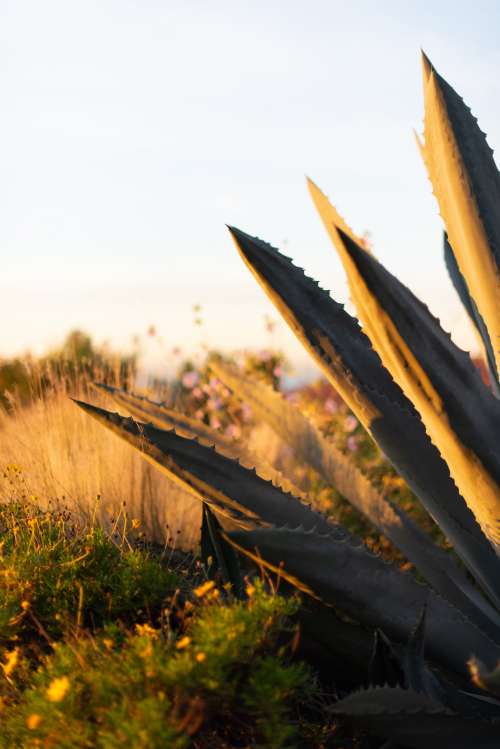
57,575
153,688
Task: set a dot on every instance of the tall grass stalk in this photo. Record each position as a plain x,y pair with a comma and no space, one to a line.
66,459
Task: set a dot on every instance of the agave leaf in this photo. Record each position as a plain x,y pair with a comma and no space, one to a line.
345,354
217,554
234,492
473,312
385,665
166,418
159,415
331,218
338,470
414,720
334,646
341,572
420,678
417,675
460,414
466,184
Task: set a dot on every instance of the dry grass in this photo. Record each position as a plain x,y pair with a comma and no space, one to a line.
67,458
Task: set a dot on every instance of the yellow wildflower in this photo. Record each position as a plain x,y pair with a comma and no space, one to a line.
146,629
200,657
136,523
57,689
11,661
202,589
33,721
183,643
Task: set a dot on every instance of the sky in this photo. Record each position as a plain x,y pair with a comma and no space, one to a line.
132,132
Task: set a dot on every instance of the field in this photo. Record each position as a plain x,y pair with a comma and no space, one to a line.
112,631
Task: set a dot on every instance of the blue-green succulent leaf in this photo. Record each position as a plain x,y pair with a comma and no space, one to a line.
340,571
347,358
234,492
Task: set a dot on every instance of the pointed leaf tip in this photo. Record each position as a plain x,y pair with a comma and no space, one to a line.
427,66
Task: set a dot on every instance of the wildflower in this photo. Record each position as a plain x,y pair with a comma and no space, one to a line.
11,661
183,643
331,406
352,444
190,379
214,404
136,523
203,589
200,657
146,629
58,689
350,423
233,431
250,590
33,721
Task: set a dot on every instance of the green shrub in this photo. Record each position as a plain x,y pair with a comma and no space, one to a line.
148,688
57,575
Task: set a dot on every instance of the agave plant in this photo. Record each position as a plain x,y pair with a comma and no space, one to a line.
423,401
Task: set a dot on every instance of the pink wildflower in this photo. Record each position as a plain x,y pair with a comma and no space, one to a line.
214,404
331,406
190,379
352,443
350,423
233,431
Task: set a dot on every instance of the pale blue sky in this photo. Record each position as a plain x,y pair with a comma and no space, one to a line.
131,132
